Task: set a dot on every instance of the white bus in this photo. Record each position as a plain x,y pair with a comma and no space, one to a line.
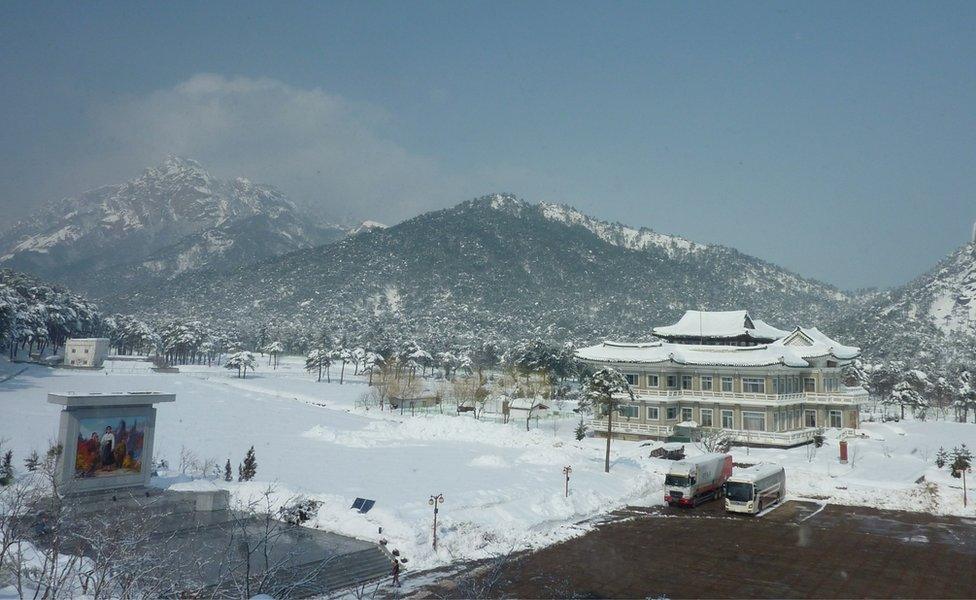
753,489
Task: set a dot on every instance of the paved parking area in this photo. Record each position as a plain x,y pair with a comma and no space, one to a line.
801,549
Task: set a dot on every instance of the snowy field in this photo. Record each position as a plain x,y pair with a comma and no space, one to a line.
503,486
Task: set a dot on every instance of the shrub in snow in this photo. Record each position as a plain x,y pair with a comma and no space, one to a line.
32,461
941,457
818,438
299,511
580,430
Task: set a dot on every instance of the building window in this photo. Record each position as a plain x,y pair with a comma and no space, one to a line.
753,385
753,421
727,420
653,413
706,417
706,382
726,384
72,350
672,413
631,378
652,381
809,384
810,417
836,419
672,381
687,414
686,382
630,411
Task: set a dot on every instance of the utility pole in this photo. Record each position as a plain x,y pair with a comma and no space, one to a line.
566,471
434,501
964,499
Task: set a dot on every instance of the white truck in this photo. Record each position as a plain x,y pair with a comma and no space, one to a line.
692,481
753,489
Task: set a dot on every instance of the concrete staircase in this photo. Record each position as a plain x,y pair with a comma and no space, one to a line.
345,571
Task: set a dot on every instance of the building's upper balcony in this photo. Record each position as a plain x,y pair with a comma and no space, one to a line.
845,396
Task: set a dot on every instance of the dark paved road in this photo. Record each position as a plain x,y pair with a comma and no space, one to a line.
798,550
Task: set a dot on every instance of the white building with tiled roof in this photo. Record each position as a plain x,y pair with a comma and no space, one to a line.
764,385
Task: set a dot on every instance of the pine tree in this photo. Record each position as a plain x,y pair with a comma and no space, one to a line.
605,391
962,459
228,472
250,466
581,430
941,458
7,468
240,472
32,461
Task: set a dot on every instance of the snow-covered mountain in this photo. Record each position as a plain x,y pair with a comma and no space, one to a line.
173,218
619,234
366,226
933,314
494,266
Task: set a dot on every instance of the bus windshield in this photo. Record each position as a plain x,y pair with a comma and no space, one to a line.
676,480
738,492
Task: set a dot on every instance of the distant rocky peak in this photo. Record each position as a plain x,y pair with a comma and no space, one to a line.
509,203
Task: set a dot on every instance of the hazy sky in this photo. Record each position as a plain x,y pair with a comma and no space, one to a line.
834,139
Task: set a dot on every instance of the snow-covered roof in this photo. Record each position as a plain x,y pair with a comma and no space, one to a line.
527,404
720,324
810,342
755,472
686,354
715,356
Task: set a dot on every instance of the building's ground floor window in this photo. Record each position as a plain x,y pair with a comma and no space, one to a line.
836,418
727,422
672,413
811,418
753,421
653,413
687,414
629,411
706,417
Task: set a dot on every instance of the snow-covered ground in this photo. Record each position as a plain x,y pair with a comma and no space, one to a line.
503,486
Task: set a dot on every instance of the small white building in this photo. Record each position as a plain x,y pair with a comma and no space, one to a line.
85,352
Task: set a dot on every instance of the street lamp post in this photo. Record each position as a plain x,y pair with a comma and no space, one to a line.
566,471
434,501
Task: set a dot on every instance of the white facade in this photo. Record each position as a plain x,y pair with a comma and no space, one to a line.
778,393
86,352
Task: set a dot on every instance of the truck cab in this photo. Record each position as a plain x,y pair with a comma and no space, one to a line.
693,481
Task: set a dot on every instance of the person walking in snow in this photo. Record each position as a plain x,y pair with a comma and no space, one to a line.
396,573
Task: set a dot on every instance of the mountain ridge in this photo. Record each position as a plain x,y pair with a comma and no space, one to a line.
172,206
496,265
